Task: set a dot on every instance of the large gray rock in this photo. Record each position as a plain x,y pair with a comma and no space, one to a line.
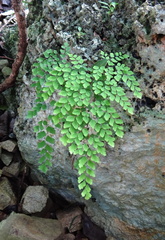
23,227
128,191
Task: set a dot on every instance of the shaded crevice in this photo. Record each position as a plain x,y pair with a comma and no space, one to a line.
145,102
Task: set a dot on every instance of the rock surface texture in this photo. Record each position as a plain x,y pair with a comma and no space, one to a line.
128,191
23,227
6,194
36,194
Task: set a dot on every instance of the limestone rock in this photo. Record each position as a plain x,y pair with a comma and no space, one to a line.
23,227
6,158
6,71
9,145
7,196
70,219
12,170
128,191
34,199
3,63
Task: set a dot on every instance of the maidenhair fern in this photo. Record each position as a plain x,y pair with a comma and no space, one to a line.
84,107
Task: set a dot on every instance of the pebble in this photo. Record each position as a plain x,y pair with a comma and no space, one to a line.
9,145
34,199
7,196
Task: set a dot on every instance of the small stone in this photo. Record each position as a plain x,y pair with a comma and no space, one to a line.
6,71
34,199
7,196
6,158
9,145
70,219
12,170
3,63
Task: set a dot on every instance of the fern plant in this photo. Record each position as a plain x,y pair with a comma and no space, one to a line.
110,7
84,109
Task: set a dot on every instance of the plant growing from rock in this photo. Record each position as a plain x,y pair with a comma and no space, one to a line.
110,7
85,107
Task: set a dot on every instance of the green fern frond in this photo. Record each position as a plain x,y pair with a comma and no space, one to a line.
84,110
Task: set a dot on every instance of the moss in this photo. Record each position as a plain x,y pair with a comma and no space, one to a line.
35,8
11,39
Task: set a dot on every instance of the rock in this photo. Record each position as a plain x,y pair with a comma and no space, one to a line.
6,158
12,170
128,191
7,196
6,71
70,219
3,63
11,126
9,145
150,48
23,227
34,199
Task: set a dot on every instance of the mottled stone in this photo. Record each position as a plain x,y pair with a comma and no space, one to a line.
12,170
7,196
9,145
6,71
149,28
6,158
20,226
34,199
3,63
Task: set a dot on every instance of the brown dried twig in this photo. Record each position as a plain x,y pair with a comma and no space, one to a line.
22,45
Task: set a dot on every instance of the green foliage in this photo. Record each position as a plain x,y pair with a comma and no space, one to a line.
110,7
85,106
80,32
